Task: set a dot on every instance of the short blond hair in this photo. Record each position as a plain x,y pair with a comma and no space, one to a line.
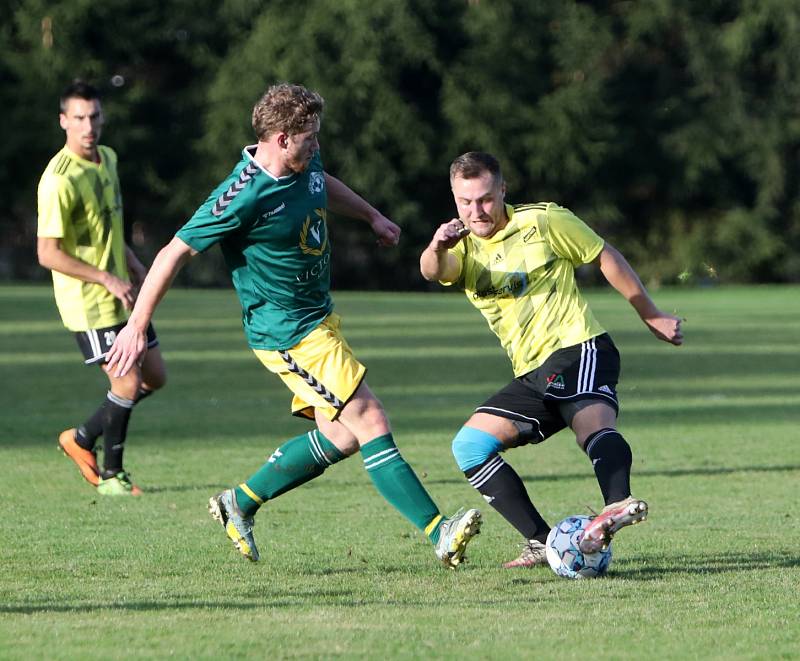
287,108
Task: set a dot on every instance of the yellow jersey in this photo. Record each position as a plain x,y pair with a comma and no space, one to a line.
522,280
80,203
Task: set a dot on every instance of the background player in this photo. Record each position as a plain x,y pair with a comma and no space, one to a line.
270,219
516,265
95,274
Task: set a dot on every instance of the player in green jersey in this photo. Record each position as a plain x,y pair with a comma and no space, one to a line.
270,219
95,279
517,266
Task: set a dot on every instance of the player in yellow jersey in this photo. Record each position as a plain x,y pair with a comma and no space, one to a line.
95,280
517,266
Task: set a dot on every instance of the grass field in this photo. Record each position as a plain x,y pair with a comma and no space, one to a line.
714,573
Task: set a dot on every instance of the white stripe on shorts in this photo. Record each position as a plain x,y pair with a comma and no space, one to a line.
588,366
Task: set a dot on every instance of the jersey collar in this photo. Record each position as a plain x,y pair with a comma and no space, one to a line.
249,153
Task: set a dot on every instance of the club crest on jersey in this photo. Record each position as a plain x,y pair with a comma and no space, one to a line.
314,234
316,183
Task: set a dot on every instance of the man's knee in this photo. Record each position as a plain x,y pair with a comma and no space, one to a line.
154,372
473,447
126,386
586,416
364,416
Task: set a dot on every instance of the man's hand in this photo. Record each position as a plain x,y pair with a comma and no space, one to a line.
387,232
666,327
448,235
122,289
128,350
436,263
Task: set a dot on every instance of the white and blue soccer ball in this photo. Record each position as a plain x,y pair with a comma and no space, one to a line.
565,556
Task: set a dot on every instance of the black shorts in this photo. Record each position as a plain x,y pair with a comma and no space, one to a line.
96,342
589,370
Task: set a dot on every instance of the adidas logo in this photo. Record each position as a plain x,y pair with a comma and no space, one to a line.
488,499
606,389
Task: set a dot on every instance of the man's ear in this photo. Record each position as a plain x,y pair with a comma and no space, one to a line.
283,140
62,120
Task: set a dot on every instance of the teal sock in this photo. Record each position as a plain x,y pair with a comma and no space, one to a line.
398,484
294,463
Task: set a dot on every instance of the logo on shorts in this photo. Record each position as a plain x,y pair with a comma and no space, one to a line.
316,183
606,389
555,381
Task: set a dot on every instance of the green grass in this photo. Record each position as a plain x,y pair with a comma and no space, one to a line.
714,573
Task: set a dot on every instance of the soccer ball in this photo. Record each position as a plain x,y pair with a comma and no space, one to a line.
566,558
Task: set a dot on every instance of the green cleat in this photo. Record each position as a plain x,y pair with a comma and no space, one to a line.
239,528
119,485
455,534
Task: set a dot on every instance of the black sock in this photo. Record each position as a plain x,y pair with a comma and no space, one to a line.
503,489
116,413
143,392
90,431
611,457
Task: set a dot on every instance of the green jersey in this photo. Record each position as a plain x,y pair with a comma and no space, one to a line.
523,281
274,238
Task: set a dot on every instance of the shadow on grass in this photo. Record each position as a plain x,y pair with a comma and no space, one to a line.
660,567
664,567
177,488
674,472
261,601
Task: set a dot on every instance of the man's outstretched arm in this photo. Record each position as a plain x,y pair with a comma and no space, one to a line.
343,200
623,278
131,342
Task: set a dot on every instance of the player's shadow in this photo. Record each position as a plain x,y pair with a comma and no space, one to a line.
668,472
178,488
660,567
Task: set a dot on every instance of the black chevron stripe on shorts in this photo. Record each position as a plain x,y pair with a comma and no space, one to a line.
329,397
234,189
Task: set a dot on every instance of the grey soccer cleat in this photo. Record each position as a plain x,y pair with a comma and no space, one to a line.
239,528
534,553
455,534
601,530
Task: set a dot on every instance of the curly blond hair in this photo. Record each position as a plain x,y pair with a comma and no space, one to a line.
287,108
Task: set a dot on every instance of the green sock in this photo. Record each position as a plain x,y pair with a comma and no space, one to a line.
297,461
398,484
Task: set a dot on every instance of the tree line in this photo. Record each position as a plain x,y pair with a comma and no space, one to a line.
671,126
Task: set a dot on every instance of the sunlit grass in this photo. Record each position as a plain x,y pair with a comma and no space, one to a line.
713,425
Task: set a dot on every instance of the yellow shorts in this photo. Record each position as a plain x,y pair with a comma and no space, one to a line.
320,370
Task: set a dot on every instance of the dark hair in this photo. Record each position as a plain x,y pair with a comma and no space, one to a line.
287,108
473,164
78,89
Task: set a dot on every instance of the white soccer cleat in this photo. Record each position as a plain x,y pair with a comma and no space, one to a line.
454,535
